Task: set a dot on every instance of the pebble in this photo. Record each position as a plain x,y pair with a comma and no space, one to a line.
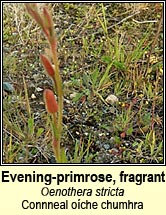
112,99
106,146
8,87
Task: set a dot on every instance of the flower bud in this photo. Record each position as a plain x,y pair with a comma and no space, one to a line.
47,19
47,65
32,10
50,101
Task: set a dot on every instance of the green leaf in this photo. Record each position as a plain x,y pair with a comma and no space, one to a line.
129,131
77,97
119,65
31,126
106,59
39,132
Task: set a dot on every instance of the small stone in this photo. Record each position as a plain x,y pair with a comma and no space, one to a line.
8,87
38,89
33,96
106,146
112,99
77,132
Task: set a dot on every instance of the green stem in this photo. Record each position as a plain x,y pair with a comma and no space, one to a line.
58,83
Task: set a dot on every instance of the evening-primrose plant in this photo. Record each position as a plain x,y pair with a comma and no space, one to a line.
54,108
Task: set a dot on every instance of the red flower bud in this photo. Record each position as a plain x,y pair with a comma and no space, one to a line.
32,10
47,65
47,19
50,101
48,24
